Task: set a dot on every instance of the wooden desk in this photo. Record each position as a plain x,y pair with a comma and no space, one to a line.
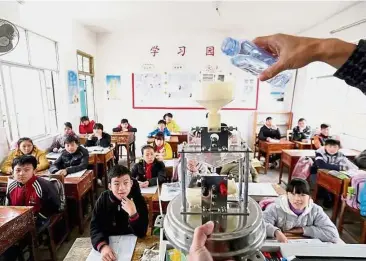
182,136
82,247
333,185
289,158
76,189
174,141
303,145
269,148
125,139
105,158
15,224
82,139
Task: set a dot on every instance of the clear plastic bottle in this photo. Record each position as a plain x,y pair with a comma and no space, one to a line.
363,201
250,58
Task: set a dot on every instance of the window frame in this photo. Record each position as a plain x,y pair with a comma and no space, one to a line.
91,74
54,72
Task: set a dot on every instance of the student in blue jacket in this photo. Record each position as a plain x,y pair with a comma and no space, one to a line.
161,128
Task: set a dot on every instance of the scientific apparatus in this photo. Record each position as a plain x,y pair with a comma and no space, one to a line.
239,228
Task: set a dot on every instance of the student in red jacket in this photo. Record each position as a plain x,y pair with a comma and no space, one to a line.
29,190
86,126
124,126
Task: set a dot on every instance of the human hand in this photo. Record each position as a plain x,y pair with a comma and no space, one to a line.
108,254
198,250
296,231
128,206
159,157
55,150
144,184
295,52
268,139
280,237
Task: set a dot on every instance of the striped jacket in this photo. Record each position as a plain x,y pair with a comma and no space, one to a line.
337,161
37,192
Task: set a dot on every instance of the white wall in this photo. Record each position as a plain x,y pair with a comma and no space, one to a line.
122,54
320,97
70,35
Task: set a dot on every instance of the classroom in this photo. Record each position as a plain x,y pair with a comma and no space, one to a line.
182,130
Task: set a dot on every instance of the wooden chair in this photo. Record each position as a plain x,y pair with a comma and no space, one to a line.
345,207
56,219
288,135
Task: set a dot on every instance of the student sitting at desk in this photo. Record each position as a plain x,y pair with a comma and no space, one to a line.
29,190
148,171
329,157
124,127
99,138
269,131
162,148
170,123
59,141
73,159
121,210
296,213
319,139
25,147
161,128
301,132
86,125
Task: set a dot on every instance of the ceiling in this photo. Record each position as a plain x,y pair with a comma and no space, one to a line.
249,17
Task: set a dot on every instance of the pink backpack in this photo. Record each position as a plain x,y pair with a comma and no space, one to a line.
302,168
266,202
358,181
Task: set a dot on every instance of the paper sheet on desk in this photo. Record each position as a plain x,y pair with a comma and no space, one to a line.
76,174
96,149
53,155
169,163
300,240
123,246
260,189
149,190
169,191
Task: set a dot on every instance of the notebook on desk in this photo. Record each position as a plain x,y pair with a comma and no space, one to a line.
76,174
123,246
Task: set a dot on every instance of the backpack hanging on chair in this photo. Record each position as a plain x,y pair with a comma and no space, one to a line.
302,168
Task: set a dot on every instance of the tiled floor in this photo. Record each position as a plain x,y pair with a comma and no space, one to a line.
271,177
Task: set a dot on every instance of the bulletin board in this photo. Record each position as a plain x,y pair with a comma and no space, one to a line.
173,90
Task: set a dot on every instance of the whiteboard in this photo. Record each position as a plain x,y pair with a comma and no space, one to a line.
174,90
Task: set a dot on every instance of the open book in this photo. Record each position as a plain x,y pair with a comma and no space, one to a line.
123,246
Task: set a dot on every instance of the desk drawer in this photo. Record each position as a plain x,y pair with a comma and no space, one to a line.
78,186
330,183
85,185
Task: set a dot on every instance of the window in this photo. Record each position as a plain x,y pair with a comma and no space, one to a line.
86,84
27,80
